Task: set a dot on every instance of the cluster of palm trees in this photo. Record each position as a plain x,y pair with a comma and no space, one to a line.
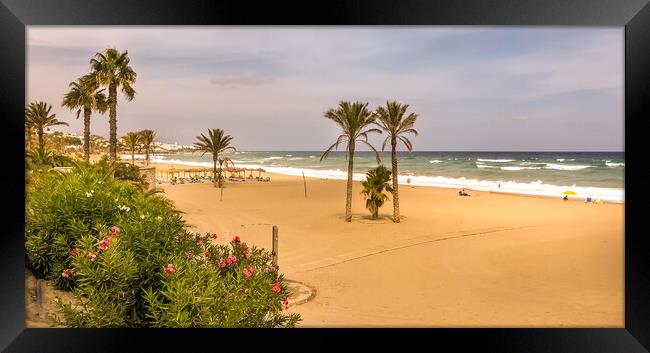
108,70
356,122
143,139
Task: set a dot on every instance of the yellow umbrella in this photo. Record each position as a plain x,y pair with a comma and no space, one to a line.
569,192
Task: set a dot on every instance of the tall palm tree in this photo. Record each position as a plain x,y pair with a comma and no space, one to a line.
373,189
353,119
217,142
131,140
83,95
393,119
111,69
146,138
38,117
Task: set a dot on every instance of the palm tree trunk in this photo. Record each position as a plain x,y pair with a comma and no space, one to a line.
146,157
133,155
214,171
87,113
112,121
41,138
348,199
393,154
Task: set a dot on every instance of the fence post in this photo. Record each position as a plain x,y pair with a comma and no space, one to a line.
275,246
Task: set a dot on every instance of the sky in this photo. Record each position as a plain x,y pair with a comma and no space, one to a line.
473,88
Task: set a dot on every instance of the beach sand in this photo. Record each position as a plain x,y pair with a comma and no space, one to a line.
489,260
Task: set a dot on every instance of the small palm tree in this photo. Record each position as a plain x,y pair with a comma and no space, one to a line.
393,120
146,138
373,189
131,140
83,95
40,159
216,143
38,117
224,162
353,119
112,70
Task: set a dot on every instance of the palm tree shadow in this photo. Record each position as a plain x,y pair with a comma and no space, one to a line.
367,219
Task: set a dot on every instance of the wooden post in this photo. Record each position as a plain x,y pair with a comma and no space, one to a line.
304,181
275,246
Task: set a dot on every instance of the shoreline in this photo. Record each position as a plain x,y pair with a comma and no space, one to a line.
165,166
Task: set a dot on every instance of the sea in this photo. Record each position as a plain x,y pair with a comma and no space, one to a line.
595,175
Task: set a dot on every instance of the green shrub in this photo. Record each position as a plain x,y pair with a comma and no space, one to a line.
63,208
111,243
219,286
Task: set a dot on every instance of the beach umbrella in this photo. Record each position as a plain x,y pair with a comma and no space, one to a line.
569,192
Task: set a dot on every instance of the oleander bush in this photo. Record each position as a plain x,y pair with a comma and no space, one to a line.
130,262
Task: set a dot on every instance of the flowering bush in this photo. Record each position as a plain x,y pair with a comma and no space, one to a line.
202,289
131,263
63,208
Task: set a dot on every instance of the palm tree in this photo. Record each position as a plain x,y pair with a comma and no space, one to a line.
38,117
146,138
223,162
373,189
111,69
393,119
353,119
217,143
83,95
131,140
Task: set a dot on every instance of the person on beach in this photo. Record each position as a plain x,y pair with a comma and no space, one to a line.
566,198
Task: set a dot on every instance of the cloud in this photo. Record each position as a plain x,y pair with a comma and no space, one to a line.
285,78
242,80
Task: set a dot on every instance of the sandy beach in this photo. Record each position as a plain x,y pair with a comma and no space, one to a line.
489,260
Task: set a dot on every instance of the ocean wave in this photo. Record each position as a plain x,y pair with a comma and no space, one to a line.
435,161
533,188
485,166
565,159
496,160
614,165
274,157
565,167
519,168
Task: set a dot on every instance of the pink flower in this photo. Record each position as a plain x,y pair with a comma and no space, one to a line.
73,252
235,239
206,254
272,269
248,271
286,304
247,254
115,230
92,256
169,269
104,244
222,263
276,287
66,273
232,259
199,242
214,236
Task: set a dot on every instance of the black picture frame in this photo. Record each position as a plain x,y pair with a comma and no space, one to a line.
634,15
